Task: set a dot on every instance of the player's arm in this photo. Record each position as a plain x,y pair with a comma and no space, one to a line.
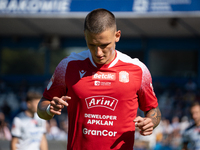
149,122
13,143
42,109
48,108
148,103
44,143
155,116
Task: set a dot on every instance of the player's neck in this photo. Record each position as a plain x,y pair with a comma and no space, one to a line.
29,113
198,124
108,63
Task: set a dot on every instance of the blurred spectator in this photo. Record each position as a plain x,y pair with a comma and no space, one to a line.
190,85
4,129
175,139
28,130
49,136
55,133
165,104
6,109
184,124
189,97
11,102
175,123
191,136
148,142
163,138
166,129
64,127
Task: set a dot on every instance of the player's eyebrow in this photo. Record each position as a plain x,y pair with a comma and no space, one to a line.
106,44
103,44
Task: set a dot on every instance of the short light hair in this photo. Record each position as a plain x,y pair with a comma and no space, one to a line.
99,20
33,95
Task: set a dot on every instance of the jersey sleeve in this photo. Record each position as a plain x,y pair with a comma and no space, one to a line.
57,86
146,95
16,127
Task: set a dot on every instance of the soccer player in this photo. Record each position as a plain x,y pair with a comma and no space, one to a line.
102,89
28,130
191,136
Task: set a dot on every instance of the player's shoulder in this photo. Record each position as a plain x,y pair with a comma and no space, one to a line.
77,56
73,57
127,59
189,130
21,115
191,127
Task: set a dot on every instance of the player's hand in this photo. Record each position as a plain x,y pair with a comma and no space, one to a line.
144,124
57,104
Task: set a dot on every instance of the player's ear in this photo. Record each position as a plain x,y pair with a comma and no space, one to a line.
117,35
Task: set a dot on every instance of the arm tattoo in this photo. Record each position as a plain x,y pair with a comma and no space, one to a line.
155,115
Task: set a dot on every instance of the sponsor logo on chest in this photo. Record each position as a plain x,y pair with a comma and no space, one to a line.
104,76
110,76
101,101
101,83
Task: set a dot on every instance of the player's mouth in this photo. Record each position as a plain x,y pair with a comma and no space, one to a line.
100,57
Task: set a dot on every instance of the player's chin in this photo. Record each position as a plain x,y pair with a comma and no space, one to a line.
100,62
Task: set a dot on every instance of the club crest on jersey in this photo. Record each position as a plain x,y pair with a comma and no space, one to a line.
50,82
124,76
104,76
101,101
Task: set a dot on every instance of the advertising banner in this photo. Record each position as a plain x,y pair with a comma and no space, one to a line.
67,6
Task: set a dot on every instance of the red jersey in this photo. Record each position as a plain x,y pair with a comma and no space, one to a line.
104,99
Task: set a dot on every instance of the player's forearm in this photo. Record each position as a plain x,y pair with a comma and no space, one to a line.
44,143
41,109
13,143
155,115
13,147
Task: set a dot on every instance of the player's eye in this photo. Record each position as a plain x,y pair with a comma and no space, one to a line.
104,45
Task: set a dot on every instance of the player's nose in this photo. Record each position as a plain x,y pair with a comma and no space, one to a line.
99,51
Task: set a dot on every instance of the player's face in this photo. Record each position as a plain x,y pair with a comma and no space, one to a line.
195,112
32,105
102,45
